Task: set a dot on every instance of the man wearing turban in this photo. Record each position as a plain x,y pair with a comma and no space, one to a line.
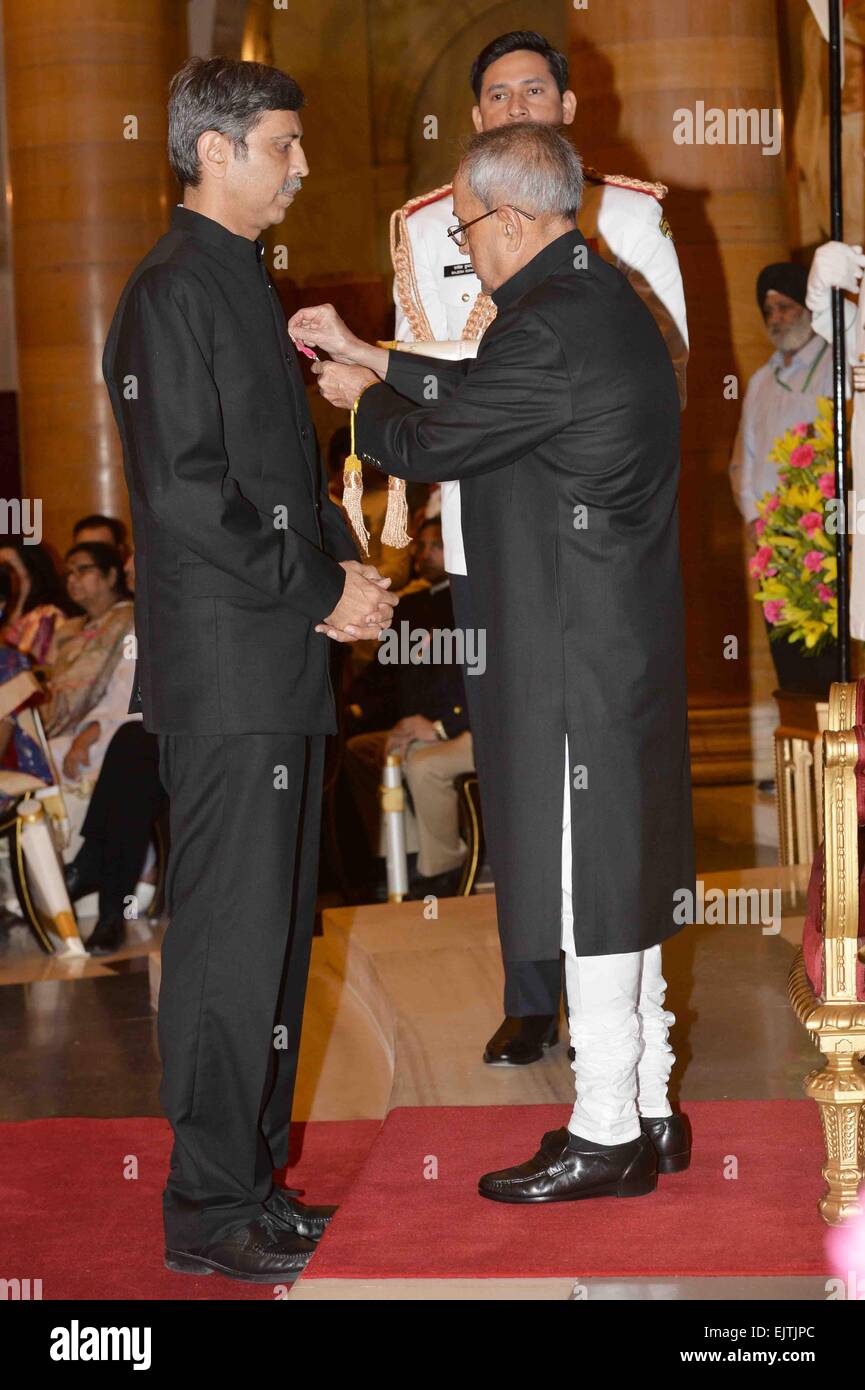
782,393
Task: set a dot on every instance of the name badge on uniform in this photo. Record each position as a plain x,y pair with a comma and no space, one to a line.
463,268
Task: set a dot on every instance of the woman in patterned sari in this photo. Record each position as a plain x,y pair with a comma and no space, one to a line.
35,602
90,665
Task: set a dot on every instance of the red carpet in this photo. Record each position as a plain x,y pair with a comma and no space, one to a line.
397,1223
69,1217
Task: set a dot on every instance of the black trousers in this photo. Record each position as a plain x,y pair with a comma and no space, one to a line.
531,987
127,799
245,812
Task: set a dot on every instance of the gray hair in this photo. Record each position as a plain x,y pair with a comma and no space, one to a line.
223,94
528,165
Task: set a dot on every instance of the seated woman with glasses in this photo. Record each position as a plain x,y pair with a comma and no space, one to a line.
87,673
90,666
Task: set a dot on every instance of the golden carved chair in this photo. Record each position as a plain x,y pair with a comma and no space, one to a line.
827,978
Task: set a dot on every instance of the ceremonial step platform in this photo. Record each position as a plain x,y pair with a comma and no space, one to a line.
392,1087
431,990
747,1207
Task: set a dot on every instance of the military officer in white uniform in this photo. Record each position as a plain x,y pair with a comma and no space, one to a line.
441,311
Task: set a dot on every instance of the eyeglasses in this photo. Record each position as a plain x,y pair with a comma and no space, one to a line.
457,232
78,570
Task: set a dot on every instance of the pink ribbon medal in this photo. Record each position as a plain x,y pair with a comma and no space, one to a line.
307,351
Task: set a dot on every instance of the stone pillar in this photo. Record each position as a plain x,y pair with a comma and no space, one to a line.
633,67
86,91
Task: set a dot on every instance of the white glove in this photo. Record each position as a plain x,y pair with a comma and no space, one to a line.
835,265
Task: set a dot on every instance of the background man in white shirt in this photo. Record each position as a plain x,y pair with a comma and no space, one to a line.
782,393
784,390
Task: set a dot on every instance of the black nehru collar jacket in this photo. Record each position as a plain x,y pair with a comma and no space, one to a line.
219,238
237,543
538,268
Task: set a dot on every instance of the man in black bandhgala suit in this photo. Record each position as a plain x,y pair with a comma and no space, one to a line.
240,557
564,434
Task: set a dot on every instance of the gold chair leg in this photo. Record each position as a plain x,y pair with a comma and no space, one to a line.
839,1090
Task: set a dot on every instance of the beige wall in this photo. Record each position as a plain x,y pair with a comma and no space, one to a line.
325,47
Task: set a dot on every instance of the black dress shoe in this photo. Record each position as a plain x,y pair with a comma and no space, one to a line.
671,1136
444,885
261,1252
77,886
311,1222
623,1170
522,1040
554,1141
107,936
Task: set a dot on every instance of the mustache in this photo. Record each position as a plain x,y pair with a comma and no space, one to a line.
292,185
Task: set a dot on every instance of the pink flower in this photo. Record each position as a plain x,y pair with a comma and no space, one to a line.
802,456
800,429
759,526
826,484
773,609
814,560
759,561
825,593
773,503
811,522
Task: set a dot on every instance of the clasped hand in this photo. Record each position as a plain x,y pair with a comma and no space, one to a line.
365,607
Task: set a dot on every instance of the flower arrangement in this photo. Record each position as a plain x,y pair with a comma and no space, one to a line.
795,563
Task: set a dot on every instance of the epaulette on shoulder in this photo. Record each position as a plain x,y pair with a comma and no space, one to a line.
424,199
655,190
405,278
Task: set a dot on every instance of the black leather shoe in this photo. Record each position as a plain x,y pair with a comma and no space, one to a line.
311,1222
107,936
626,1170
671,1137
76,885
445,885
522,1040
261,1252
554,1141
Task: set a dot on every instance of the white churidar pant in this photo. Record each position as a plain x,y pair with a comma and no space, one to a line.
618,1026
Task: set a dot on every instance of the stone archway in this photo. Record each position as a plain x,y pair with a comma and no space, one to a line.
446,94
419,67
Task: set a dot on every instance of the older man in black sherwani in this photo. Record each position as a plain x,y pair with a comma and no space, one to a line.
240,557
564,434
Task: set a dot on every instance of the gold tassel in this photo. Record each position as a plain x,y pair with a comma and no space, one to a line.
352,499
352,491
394,531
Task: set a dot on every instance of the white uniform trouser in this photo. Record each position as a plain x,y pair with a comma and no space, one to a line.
618,1026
